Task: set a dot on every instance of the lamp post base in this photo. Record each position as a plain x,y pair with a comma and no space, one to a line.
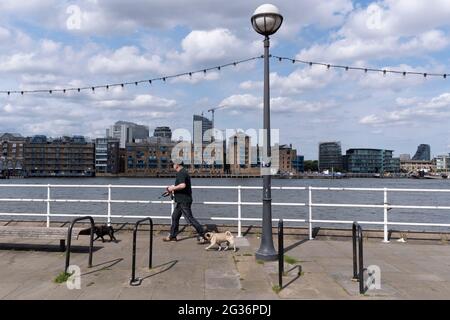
266,255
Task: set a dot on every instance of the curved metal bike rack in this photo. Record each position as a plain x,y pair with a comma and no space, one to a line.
137,281
69,240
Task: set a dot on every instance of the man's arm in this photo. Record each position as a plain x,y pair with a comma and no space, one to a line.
181,186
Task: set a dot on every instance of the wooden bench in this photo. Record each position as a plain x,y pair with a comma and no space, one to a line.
41,233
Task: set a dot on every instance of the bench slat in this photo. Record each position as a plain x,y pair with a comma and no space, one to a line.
38,232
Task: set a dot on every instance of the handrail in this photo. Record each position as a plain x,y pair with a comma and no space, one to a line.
69,240
358,264
311,219
137,281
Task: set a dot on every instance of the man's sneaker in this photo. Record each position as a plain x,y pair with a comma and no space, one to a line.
201,240
169,239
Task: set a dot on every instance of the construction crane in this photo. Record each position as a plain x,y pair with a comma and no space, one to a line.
212,110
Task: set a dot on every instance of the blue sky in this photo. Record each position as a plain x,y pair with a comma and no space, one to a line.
54,44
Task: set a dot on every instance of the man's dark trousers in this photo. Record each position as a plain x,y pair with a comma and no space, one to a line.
184,208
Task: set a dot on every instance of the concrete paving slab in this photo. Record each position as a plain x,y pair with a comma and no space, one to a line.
184,270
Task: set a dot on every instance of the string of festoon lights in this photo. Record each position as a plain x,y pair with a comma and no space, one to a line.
364,69
218,68
132,83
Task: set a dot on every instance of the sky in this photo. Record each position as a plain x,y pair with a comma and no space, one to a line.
50,44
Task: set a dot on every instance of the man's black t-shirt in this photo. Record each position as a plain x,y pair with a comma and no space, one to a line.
184,195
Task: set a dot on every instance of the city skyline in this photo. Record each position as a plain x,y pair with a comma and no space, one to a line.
46,45
156,130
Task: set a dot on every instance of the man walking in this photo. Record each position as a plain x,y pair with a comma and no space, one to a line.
182,192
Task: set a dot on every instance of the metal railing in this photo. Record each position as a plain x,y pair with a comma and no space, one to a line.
310,220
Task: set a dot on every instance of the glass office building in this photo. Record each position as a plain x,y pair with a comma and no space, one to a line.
371,161
330,156
423,153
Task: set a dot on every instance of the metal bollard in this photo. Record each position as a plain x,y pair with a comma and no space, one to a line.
280,253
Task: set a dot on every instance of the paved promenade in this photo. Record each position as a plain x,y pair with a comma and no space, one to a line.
184,270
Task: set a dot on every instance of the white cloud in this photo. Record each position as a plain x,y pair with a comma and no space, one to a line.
437,108
390,28
112,16
242,102
211,46
296,82
351,48
124,61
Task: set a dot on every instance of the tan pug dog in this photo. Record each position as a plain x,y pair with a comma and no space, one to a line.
219,238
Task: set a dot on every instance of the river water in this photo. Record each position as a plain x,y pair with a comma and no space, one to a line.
204,212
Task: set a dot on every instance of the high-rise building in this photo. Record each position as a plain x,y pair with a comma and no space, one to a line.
163,132
107,155
371,161
423,153
202,136
202,129
62,157
330,156
127,132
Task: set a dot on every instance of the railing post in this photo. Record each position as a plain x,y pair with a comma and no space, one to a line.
310,213
354,241
109,205
385,232
48,206
280,254
361,261
239,212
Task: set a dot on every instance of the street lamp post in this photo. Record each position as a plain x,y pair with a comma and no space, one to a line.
266,21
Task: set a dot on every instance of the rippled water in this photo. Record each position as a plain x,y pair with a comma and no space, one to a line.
203,212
